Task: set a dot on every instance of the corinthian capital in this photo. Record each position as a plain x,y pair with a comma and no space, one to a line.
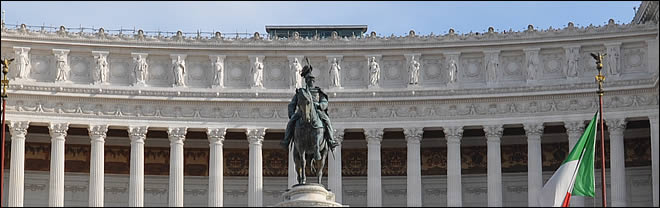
616,125
533,129
98,131
373,135
413,135
339,135
18,128
453,131
256,135
58,129
216,134
177,134
493,131
574,127
137,133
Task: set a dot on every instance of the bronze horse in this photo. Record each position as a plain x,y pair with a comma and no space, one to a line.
305,137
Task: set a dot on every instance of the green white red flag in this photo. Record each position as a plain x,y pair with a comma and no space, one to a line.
575,176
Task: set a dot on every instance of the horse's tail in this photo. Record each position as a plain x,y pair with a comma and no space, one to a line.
311,164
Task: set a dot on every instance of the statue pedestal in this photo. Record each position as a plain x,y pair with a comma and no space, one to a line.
308,195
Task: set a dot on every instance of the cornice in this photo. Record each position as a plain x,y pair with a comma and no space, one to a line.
345,95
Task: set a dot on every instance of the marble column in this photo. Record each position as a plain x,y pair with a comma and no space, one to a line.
616,126
176,136
534,165
255,177
414,172
137,134
374,187
655,157
18,130
454,186
97,134
493,137
334,167
574,129
216,136
58,132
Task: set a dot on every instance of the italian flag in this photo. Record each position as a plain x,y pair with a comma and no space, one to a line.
575,176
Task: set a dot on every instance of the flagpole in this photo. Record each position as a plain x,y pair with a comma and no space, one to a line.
600,78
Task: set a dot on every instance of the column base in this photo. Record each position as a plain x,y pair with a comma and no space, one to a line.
308,195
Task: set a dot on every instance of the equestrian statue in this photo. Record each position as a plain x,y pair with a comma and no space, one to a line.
309,131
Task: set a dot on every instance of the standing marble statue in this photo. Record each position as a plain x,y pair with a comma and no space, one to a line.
335,77
24,65
532,64
62,66
296,78
258,73
218,79
453,71
101,73
141,67
491,67
179,67
413,71
374,72
572,56
612,60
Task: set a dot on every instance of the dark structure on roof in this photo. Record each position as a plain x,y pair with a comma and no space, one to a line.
310,31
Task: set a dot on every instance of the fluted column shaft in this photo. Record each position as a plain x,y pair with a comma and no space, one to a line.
616,127
58,132
334,167
255,176
493,136
137,134
574,129
291,179
454,186
216,137
18,130
176,136
97,135
534,171
414,173
655,158
374,187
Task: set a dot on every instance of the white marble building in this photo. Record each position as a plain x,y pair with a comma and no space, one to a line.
115,129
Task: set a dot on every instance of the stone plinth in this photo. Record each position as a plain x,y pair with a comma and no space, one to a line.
308,195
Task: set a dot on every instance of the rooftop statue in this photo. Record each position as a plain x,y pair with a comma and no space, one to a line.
309,131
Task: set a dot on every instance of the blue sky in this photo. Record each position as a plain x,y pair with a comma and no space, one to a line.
388,17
